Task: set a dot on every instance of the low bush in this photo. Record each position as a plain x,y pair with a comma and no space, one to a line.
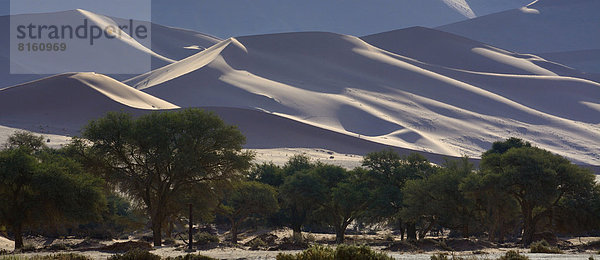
191,257
256,244
362,252
169,242
48,257
204,238
58,247
312,253
135,254
70,256
544,247
121,247
341,252
28,248
443,256
513,255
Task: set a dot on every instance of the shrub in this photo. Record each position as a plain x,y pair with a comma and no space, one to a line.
169,241
362,252
388,237
28,248
309,238
513,255
543,247
12,257
204,238
439,257
191,257
256,244
120,247
70,256
342,252
58,247
444,256
135,254
312,253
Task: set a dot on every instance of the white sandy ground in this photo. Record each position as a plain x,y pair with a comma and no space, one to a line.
340,83
241,253
550,28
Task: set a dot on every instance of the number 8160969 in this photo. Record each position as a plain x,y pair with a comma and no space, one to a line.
40,47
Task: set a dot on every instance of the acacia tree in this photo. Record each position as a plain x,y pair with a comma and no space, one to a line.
438,200
345,197
298,194
388,174
158,156
244,199
537,179
40,187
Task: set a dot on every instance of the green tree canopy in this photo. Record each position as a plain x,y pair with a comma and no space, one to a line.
156,157
438,200
388,173
267,173
537,179
299,196
245,199
45,188
345,197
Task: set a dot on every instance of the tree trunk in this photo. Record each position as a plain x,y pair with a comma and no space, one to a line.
423,232
169,231
234,233
528,226
528,232
157,232
411,231
18,233
401,225
340,233
465,231
297,233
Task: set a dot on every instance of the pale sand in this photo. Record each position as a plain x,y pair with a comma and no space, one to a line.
240,253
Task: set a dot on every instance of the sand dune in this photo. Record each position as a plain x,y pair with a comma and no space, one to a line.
583,60
415,89
342,84
63,103
168,44
544,26
453,51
